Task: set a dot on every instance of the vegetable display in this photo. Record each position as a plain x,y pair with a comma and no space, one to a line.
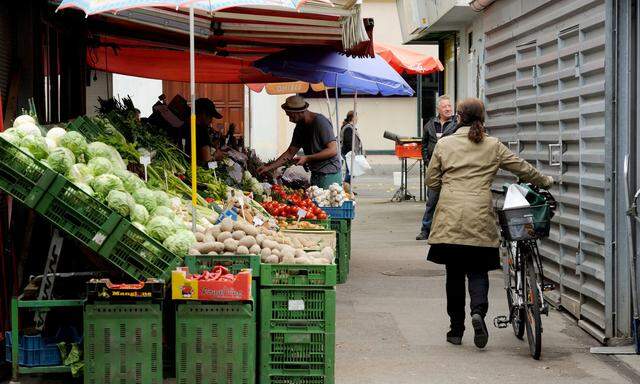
332,197
291,204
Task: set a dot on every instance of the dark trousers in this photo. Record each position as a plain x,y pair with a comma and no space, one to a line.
432,202
456,296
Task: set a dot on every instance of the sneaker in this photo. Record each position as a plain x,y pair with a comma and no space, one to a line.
454,337
480,329
422,236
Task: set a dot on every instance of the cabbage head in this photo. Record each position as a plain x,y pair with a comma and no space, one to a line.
180,242
61,160
55,134
131,181
51,145
99,166
162,198
140,226
104,184
120,202
37,145
139,214
160,227
11,137
85,187
28,129
80,173
145,197
98,149
22,119
75,142
164,211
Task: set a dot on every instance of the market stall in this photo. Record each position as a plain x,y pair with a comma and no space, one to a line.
119,191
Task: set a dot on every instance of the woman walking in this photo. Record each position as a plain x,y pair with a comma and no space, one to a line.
347,139
464,235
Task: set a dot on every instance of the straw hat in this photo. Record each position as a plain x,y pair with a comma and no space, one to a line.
295,104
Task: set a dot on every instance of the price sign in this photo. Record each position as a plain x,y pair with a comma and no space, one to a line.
241,200
296,305
145,160
213,164
301,213
257,221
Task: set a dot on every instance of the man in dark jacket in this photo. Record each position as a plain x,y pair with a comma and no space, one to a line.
434,129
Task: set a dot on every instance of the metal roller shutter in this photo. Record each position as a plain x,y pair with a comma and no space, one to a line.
544,83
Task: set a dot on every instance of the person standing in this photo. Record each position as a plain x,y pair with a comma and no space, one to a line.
465,235
437,127
206,139
347,140
314,134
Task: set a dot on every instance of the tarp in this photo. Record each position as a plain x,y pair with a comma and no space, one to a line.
406,61
133,58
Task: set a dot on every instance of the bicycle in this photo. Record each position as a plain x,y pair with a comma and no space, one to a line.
524,278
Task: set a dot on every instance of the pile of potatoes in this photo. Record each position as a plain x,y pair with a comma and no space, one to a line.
241,238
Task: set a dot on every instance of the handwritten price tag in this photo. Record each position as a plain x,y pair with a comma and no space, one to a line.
301,213
212,164
145,160
257,221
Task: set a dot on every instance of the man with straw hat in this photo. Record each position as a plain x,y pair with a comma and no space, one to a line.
314,134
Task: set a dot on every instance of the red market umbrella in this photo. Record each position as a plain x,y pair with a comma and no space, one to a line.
406,61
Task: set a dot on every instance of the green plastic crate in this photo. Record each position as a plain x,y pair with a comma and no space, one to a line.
215,343
298,309
235,263
343,247
291,379
137,254
297,275
297,353
77,213
123,343
86,127
22,176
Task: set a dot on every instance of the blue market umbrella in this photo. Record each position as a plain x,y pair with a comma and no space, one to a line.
351,74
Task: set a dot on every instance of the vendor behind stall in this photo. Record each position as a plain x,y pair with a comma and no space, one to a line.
205,113
314,134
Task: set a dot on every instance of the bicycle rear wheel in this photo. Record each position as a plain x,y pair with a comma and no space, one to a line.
516,313
533,321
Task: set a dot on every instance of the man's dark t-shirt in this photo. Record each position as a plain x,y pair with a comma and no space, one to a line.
203,138
313,138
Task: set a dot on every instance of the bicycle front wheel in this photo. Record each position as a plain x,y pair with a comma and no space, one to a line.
516,313
533,303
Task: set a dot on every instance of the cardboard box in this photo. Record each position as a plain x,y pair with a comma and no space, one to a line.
184,288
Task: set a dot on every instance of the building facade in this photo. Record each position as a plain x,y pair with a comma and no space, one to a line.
549,85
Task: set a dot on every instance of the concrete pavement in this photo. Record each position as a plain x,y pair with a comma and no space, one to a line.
391,316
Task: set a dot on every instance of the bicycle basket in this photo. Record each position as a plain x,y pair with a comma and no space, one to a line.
525,223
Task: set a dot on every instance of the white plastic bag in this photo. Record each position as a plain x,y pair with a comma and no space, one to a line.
515,197
360,164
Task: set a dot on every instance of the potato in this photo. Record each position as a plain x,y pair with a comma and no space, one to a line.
302,260
214,231
270,244
287,249
272,259
288,259
208,239
237,225
266,252
193,251
275,252
248,241
260,238
327,251
226,225
250,230
299,253
228,254
218,247
237,235
224,236
204,248
255,249
242,250
214,253
230,245
199,236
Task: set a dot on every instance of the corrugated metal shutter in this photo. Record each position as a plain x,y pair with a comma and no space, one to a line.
6,50
544,83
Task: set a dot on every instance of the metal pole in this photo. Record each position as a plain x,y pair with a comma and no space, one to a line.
337,117
192,84
419,104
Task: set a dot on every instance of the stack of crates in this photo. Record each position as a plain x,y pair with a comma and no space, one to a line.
342,227
123,333
216,341
297,324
